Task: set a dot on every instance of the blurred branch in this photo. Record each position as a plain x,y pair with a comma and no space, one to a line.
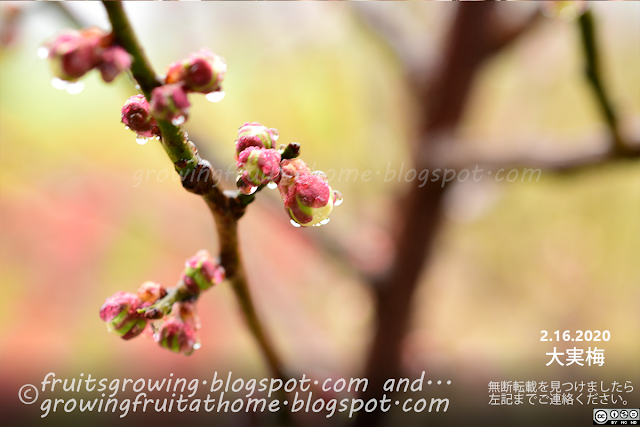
224,206
539,153
594,77
474,36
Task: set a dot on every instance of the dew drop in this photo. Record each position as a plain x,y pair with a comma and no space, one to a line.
42,52
137,86
252,190
274,134
295,224
215,96
272,185
75,88
142,139
178,121
59,83
337,198
197,346
320,174
126,127
158,138
325,221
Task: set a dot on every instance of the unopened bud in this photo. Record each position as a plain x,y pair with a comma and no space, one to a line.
136,115
114,60
307,196
258,166
201,272
202,71
151,292
255,135
169,102
120,313
74,53
179,331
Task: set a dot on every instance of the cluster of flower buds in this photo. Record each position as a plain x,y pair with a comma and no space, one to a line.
307,196
168,315
74,53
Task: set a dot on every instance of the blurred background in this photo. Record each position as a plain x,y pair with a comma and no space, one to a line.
85,211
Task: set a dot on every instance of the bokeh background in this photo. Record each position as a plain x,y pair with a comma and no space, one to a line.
85,211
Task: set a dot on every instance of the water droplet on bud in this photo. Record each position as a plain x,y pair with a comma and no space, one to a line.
337,198
197,346
325,221
274,134
272,185
42,52
252,190
59,83
142,139
75,88
320,174
215,96
178,121
295,224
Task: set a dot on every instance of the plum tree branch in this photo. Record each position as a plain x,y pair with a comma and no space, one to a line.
197,177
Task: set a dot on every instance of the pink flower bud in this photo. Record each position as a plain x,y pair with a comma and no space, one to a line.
307,196
255,135
258,166
120,313
179,331
74,53
114,60
169,102
136,115
201,71
151,292
201,272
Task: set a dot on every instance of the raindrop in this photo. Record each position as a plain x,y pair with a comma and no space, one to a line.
178,121
215,96
158,137
142,139
272,185
295,224
320,174
252,190
274,134
325,221
137,86
126,127
42,52
59,83
197,346
282,147
75,88
337,198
